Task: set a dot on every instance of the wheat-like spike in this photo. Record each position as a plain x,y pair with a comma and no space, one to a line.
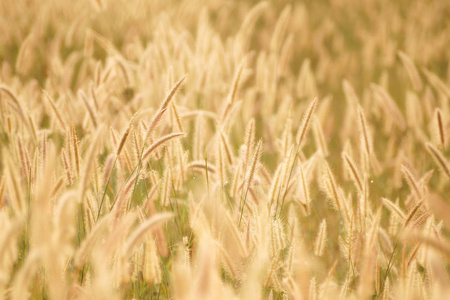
248,24
249,142
68,147
277,237
287,170
286,54
9,125
332,187
353,171
26,54
413,254
386,290
304,127
291,257
89,212
393,207
34,170
177,118
171,93
420,219
439,158
154,123
123,139
55,110
198,137
127,160
253,167
440,127
280,28
27,162
365,137
160,142
411,70
91,113
413,211
352,241
312,291
90,159
24,159
321,239
67,167
43,150
96,174
136,146
75,151
235,84
221,162
412,181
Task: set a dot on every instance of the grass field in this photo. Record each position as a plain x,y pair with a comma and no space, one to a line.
224,149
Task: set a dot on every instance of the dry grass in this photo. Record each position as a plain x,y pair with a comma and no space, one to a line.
161,149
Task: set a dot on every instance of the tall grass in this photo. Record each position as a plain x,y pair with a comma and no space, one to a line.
162,149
